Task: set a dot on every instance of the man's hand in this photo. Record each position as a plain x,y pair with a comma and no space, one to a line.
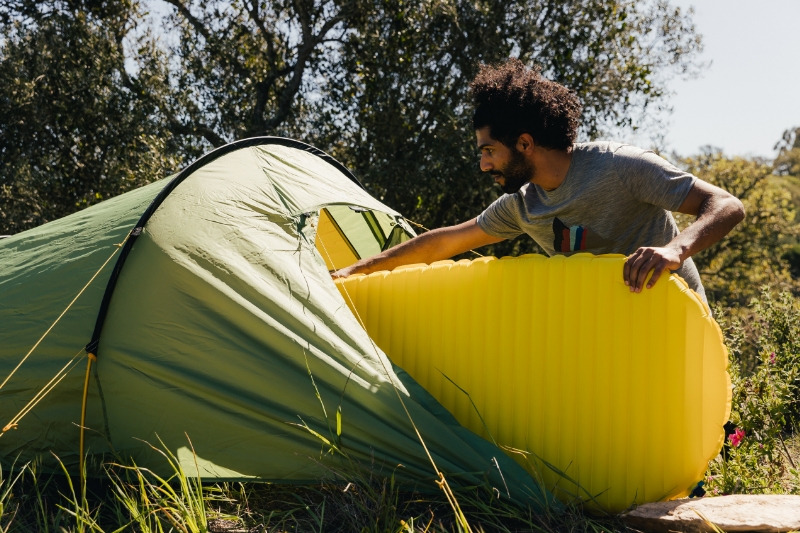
644,260
717,213
343,273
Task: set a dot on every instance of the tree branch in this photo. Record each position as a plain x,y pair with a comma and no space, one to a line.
202,130
194,21
304,52
198,130
262,96
255,16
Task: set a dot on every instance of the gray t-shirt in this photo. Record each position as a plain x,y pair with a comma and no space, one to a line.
615,198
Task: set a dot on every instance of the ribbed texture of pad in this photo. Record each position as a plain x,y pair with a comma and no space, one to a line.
626,393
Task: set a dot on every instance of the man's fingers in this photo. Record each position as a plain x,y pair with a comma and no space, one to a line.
635,267
626,269
645,270
656,273
633,274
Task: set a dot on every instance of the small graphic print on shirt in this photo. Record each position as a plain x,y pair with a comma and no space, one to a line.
568,238
575,238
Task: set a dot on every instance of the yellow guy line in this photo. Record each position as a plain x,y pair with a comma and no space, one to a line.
442,482
43,392
118,246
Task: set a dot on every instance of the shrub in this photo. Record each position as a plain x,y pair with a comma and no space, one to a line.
765,372
755,252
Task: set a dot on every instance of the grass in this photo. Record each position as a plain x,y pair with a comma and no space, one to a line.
131,498
362,498
765,368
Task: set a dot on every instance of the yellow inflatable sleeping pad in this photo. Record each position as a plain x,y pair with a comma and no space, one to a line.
624,393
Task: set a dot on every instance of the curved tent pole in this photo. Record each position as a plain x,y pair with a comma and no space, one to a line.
158,200
92,346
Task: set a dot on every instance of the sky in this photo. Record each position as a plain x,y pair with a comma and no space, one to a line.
751,92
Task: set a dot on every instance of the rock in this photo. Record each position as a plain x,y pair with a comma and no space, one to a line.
769,513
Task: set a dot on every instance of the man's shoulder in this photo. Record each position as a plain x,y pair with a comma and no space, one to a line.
607,148
617,157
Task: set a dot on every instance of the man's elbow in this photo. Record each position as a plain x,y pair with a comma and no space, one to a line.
736,210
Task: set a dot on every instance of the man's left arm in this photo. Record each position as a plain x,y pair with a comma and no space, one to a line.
717,213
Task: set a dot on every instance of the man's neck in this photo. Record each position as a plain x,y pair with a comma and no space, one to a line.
551,167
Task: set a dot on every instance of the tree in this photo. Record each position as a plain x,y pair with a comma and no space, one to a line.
383,83
380,83
754,253
396,107
246,63
75,126
788,161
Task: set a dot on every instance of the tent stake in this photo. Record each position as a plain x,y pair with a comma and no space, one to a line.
91,357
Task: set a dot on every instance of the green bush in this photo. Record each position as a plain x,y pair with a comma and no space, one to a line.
765,372
758,251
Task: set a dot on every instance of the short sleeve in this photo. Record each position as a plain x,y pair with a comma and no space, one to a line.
500,219
651,178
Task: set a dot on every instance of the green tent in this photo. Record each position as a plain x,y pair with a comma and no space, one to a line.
217,319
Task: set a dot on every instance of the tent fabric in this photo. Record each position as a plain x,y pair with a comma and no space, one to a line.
223,325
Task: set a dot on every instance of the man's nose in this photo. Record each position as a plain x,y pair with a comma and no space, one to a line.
485,164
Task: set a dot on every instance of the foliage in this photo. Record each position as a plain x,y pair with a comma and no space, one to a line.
765,371
154,503
753,254
788,160
246,63
75,126
396,107
92,103
8,508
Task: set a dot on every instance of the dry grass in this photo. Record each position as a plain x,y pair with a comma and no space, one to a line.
359,500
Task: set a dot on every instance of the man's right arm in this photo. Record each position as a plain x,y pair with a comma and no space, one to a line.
434,245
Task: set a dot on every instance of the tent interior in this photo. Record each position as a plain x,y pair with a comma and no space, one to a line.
346,234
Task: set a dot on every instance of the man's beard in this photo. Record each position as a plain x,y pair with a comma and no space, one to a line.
517,172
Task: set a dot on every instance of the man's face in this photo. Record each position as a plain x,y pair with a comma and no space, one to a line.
508,166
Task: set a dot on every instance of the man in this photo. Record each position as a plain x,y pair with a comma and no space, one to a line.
599,197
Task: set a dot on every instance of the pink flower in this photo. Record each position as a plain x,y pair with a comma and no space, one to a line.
737,437
772,358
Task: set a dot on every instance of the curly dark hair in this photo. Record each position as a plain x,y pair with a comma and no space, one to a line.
512,99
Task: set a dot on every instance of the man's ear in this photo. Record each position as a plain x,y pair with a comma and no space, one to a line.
525,144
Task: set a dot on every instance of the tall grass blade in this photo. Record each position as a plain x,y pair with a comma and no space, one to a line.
560,473
85,517
6,486
477,411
